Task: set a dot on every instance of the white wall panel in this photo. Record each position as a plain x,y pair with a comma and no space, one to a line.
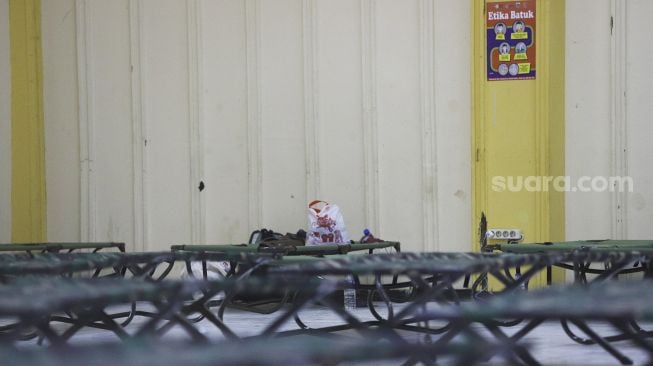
110,115
5,125
166,104
588,131
453,129
399,124
270,104
639,129
60,104
608,112
273,103
225,120
282,115
337,96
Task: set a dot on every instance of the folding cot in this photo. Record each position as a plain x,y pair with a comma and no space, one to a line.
151,266
619,303
580,269
32,248
268,305
293,250
33,302
280,351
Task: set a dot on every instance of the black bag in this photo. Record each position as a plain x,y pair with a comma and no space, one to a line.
269,240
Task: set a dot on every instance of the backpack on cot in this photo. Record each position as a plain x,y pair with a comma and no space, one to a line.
269,239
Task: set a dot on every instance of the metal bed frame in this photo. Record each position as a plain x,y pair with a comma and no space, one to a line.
273,352
315,250
31,248
34,303
432,275
299,252
140,265
577,304
151,266
580,269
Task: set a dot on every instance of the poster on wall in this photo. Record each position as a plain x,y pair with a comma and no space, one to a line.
510,40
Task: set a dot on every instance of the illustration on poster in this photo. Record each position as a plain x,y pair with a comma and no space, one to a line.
500,28
504,48
520,48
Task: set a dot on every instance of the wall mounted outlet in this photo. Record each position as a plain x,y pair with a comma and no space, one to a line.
504,234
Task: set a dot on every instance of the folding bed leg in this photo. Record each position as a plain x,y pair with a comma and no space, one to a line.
468,277
384,296
218,323
522,353
635,335
49,334
288,314
430,294
602,342
164,312
510,357
189,328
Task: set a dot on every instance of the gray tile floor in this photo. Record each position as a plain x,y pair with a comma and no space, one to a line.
548,343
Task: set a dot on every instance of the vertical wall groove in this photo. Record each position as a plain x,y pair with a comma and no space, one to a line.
619,117
85,76
193,8
200,117
427,116
311,115
138,127
254,168
370,121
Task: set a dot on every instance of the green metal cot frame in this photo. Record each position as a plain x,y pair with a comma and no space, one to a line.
621,304
32,248
432,273
624,318
440,270
568,246
431,277
150,266
432,268
139,265
300,252
293,250
582,269
34,302
261,352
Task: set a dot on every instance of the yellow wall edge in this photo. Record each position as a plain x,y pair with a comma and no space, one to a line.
28,196
531,144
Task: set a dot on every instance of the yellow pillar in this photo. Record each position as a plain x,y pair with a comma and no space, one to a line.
518,130
28,198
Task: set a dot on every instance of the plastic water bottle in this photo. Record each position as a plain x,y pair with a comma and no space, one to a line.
349,294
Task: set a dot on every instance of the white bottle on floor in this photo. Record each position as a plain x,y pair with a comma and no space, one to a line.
349,294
